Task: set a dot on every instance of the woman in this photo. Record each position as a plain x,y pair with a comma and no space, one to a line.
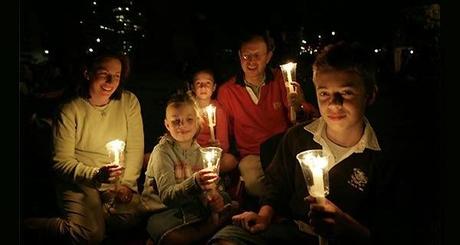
100,112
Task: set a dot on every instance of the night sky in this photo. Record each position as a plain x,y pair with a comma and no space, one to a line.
178,30
216,23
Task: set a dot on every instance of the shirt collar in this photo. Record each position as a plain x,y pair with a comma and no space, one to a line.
239,79
368,140
248,84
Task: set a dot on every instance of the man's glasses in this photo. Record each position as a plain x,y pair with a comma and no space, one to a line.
254,56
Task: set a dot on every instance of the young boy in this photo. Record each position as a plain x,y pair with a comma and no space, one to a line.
176,180
344,80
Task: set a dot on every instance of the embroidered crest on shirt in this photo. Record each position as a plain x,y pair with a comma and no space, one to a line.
276,105
358,179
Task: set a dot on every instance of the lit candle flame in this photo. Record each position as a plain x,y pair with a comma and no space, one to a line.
315,161
211,113
288,71
116,147
211,156
317,164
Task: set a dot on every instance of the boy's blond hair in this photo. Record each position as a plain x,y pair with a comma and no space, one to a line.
181,98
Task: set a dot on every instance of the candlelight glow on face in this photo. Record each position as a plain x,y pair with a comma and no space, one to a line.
115,147
314,165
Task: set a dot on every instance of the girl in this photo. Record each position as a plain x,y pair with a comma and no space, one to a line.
203,87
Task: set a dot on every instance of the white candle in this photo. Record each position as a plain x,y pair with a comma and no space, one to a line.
317,189
289,76
208,156
117,158
287,68
211,113
211,156
288,71
317,165
116,147
315,162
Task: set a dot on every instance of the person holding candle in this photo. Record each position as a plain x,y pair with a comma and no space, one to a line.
257,105
178,186
344,79
203,86
99,111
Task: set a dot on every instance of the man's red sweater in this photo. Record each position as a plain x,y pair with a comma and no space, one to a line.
249,123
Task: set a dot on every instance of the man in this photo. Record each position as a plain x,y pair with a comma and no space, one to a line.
257,104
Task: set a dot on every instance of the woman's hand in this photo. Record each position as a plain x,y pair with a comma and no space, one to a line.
108,173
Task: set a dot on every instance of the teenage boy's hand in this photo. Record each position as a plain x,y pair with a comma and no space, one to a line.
329,220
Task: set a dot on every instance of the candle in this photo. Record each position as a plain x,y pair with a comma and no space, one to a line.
117,158
211,113
288,71
208,156
316,165
317,189
116,147
211,156
314,168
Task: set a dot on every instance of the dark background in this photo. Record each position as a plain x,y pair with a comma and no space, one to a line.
180,35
